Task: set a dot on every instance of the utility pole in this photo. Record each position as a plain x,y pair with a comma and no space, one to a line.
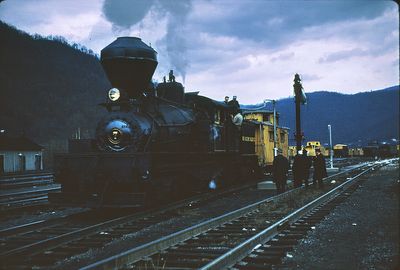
330,145
299,98
275,133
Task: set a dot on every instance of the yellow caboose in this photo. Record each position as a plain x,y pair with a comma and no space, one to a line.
264,136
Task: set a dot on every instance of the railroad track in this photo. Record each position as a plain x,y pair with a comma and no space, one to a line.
24,191
25,180
34,243
77,233
44,235
254,237
15,199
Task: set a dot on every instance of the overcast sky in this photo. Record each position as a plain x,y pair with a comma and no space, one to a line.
248,48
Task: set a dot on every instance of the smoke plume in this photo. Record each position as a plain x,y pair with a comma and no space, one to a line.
124,14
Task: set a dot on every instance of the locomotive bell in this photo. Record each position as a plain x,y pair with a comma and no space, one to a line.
129,64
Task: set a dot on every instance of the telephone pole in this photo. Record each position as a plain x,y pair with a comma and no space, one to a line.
300,98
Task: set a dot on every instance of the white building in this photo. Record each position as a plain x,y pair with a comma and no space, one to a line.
19,154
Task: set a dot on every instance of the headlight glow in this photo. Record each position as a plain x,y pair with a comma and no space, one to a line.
113,94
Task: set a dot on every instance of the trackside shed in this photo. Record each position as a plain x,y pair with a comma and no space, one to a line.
19,154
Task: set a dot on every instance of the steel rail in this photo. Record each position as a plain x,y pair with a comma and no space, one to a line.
17,176
26,184
27,192
38,197
135,254
242,250
77,234
22,199
23,179
40,224
20,228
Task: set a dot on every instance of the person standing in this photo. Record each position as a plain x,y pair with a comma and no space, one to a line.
226,100
319,168
235,107
307,165
280,168
298,169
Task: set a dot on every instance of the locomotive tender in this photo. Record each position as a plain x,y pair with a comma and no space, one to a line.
156,141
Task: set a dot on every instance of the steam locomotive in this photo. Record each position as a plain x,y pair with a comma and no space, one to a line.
156,142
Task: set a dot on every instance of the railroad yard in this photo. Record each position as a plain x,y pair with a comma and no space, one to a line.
192,134
352,221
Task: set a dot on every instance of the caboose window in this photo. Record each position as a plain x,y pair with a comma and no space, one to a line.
271,135
282,137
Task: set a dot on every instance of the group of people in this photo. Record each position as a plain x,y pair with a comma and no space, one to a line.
301,169
234,103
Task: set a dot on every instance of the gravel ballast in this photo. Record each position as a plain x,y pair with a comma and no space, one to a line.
361,233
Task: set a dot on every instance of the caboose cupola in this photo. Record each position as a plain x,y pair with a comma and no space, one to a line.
129,64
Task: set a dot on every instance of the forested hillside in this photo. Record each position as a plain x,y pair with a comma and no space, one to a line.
355,119
48,88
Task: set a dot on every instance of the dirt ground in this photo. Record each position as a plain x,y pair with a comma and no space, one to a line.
361,233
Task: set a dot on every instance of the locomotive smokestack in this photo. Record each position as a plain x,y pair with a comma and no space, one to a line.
129,64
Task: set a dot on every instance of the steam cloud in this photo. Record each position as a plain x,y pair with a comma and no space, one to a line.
125,13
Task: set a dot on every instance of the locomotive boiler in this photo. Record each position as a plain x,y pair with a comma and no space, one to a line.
156,142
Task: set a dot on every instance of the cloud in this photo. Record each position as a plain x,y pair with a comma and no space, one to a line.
343,55
71,20
275,23
310,77
283,57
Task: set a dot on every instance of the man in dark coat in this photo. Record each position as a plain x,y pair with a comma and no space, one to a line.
234,104
306,168
298,170
226,100
319,168
280,168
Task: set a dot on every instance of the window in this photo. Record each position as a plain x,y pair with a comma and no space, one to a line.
283,137
38,162
21,165
271,135
1,164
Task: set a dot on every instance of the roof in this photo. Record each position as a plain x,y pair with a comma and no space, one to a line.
18,144
205,101
261,111
340,145
249,111
265,124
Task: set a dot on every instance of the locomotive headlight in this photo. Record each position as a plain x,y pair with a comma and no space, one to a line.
114,94
115,136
